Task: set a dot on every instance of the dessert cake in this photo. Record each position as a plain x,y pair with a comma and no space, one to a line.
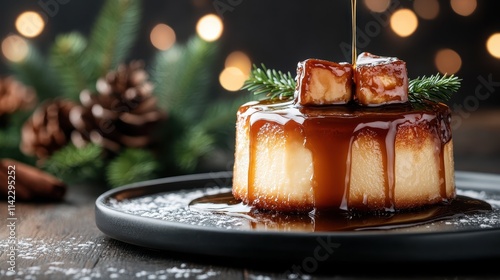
349,140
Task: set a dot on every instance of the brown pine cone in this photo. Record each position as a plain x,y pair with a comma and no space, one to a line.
48,129
123,112
15,96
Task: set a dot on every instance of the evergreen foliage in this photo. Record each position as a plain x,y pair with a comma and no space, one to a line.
77,164
132,165
198,120
66,59
34,71
112,37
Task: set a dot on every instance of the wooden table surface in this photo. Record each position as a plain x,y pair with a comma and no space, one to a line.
61,240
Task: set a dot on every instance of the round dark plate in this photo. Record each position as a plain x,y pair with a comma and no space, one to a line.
155,214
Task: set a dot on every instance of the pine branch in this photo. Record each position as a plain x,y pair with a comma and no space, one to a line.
33,71
189,148
182,76
278,86
435,88
275,85
66,59
112,36
72,164
221,115
132,165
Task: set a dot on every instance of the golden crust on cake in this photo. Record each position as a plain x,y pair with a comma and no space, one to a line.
275,165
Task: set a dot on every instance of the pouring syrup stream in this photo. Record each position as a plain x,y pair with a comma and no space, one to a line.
353,26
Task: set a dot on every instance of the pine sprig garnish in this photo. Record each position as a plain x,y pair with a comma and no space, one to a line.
276,85
435,88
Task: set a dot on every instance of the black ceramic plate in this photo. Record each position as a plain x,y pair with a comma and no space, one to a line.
155,214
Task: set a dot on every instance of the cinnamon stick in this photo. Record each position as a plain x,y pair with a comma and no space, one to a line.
29,182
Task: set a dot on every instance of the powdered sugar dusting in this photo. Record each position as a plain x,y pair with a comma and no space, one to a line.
174,207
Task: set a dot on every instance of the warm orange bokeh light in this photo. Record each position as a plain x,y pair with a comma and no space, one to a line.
30,24
378,6
162,36
15,48
448,61
426,9
232,78
404,22
210,27
464,7
239,60
493,45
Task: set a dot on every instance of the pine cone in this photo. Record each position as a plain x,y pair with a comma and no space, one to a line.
123,112
14,96
48,129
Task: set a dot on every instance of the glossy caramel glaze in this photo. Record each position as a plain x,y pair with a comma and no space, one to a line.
329,133
332,81
380,80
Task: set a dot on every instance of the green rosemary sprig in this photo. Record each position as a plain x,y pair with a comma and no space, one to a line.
435,88
276,85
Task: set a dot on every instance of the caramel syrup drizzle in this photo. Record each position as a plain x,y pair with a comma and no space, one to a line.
330,140
353,26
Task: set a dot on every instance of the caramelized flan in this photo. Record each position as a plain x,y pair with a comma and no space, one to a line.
379,154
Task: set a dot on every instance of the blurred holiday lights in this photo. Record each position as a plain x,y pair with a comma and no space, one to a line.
30,24
15,48
493,45
448,61
210,27
464,7
404,22
162,36
426,9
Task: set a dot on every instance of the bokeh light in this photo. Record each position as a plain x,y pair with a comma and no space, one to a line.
464,7
239,60
404,22
30,24
378,6
162,36
232,78
426,9
210,27
448,61
493,45
15,48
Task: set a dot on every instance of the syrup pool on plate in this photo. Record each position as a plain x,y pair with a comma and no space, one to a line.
225,204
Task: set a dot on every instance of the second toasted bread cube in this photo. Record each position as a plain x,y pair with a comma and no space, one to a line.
321,82
380,80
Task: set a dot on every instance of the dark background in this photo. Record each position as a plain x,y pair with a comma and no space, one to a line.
280,33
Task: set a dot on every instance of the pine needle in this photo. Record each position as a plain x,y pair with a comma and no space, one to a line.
112,36
73,164
131,166
189,148
66,60
435,88
275,85
183,76
33,71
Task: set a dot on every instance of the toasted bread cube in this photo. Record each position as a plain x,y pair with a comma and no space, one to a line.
321,82
380,80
